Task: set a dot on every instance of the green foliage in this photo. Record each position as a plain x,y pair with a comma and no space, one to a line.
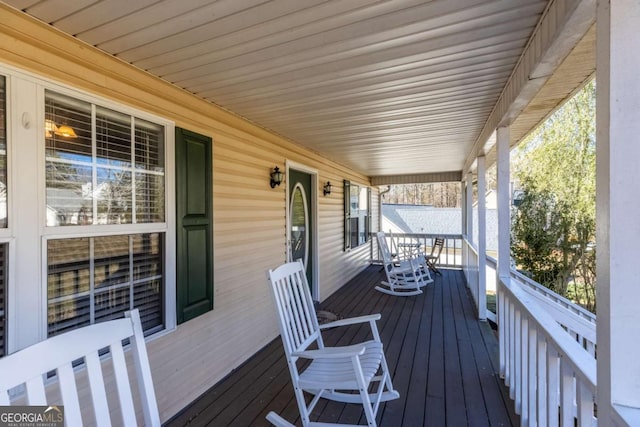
553,229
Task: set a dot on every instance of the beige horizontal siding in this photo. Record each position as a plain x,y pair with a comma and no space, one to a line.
249,216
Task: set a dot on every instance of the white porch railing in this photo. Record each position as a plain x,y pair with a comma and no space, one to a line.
550,376
547,350
470,269
575,320
451,255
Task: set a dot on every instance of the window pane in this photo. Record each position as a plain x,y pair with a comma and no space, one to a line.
69,194
149,146
3,314
3,155
113,137
114,196
148,253
67,128
111,262
149,198
68,284
77,298
354,231
354,199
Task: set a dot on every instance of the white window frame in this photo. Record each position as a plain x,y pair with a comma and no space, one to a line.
25,119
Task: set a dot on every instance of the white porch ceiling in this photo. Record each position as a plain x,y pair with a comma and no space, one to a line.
389,87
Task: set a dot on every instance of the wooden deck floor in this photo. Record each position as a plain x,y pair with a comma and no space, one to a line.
443,363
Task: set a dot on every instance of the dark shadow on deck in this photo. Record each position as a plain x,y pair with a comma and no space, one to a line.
444,365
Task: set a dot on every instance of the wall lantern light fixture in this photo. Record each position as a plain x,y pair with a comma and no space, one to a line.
276,177
327,188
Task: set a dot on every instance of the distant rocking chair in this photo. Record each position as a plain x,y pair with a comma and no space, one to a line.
353,374
404,277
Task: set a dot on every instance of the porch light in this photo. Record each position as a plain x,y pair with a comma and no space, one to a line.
276,177
327,188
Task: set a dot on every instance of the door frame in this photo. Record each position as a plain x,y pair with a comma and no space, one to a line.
314,258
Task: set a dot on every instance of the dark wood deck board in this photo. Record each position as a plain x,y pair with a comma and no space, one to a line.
442,360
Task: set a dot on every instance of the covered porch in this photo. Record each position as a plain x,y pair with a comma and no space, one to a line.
444,364
362,92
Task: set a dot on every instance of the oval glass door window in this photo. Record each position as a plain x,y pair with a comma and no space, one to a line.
299,225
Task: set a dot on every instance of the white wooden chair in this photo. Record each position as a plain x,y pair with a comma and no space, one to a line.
29,368
405,277
353,374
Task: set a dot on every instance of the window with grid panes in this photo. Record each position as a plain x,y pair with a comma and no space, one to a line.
109,171
357,215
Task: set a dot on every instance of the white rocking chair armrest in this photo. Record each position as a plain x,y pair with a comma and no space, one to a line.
351,321
332,352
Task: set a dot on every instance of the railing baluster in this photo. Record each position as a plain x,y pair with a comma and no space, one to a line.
517,346
503,325
567,395
533,373
542,379
524,368
585,405
553,387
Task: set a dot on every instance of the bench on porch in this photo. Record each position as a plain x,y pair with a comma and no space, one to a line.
63,369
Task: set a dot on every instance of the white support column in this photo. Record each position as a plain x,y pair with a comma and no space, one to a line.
469,206
617,206
504,208
463,228
482,240
463,188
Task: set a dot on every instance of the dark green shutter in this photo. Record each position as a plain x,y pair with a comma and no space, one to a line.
347,215
194,228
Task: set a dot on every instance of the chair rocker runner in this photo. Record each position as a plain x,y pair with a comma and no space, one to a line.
405,277
353,374
29,368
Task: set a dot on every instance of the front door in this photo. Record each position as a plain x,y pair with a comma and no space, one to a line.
300,220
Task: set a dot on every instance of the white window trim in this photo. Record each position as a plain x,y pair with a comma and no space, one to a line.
20,117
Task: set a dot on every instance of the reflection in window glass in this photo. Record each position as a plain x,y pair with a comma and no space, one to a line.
3,154
68,285
114,196
114,177
149,198
94,279
69,194
67,128
113,137
149,149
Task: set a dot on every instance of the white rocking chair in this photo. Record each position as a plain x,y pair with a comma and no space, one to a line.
29,368
405,277
343,374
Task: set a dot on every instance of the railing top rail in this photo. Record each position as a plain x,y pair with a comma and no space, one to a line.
470,244
583,312
427,235
583,363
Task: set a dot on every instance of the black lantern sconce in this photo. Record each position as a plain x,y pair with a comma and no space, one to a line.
327,188
276,177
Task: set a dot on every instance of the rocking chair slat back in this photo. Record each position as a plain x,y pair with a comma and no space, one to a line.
299,323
